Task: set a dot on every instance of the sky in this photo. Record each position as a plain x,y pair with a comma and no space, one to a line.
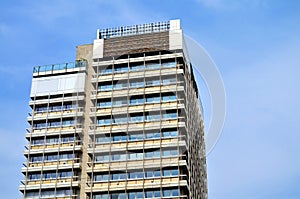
254,43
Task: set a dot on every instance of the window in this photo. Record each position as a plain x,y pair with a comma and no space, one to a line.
135,156
119,86
175,192
137,100
169,65
149,174
120,120
102,122
104,104
166,193
121,69
139,195
153,82
96,196
137,119
173,152
157,194
157,173
166,172
119,102
97,178
170,134
154,99
170,116
153,194
175,172
169,98
102,139
166,153
168,81
137,67
131,195
152,65
153,117
102,158
119,138
105,71
107,87
100,196
149,194
137,84
123,176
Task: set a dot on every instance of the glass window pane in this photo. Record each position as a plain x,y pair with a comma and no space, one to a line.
157,194
166,153
104,196
175,192
122,196
149,194
156,173
166,172
123,176
139,195
140,174
105,177
175,172
166,193
149,174
131,195
174,152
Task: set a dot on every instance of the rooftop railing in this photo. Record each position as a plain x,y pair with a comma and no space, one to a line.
133,30
59,67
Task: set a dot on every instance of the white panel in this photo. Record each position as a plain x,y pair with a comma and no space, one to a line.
175,39
98,48
58,84
175,24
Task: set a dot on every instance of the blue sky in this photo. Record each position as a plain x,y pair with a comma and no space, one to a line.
255,44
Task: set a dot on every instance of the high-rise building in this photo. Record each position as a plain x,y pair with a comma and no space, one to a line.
122,121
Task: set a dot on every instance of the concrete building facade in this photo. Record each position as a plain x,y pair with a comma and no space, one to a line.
123,121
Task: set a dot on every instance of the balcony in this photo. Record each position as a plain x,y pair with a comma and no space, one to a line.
133,184
74,112
138,59
49,148
137,91
74,99
55,130
137,164
136,108
50,183
137,126
64,131
136,145
136,74
59,68
51,197
51,165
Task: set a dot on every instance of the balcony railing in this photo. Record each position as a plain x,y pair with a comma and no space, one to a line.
133,30
59,67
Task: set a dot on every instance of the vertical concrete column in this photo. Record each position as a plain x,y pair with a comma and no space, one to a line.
85,52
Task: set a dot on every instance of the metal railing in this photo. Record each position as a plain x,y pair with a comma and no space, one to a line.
59,67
